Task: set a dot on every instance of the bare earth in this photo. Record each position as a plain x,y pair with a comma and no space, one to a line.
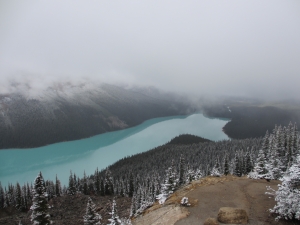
209,194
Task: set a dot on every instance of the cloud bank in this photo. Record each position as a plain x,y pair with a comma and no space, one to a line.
247,48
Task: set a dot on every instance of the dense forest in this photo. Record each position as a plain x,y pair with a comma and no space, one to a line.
251,120
155,174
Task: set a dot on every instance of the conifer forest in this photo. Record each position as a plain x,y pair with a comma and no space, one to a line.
153,175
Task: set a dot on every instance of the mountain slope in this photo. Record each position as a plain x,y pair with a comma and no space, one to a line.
68,112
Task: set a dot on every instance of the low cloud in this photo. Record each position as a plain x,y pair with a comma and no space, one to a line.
246,48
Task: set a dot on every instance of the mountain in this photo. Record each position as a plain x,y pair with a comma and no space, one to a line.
65,112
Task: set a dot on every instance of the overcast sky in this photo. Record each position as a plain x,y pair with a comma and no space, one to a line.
234,47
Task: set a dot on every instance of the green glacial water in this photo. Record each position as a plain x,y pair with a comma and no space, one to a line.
23,165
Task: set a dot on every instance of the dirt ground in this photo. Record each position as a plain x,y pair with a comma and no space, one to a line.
244,193
209,194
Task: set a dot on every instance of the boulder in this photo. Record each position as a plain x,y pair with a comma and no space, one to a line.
230,215
211,221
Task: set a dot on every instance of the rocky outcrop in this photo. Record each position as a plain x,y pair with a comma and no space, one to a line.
230,215
211,221
165,215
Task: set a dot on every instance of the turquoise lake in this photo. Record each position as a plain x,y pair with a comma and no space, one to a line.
100,151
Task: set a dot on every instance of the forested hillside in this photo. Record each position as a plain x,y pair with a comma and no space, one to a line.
154,175
74,112
250,119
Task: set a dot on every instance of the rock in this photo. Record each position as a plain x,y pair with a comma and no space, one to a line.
165,215
230,215
211,221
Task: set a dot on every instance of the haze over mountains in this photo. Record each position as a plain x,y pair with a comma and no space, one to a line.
68,112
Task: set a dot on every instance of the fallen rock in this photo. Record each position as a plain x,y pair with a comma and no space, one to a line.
211,221
230,215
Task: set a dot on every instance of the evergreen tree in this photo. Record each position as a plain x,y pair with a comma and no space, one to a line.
97,182
72,188
57,187
91,217
260,167
248,164
182,167
29,194
40,206
85,185
216,169
18,198
1,197
226,165
114,219
102,189
131,185
237,170
288,194
265,143
108,183
25,198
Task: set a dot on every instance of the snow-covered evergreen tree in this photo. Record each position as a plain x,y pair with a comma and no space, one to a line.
91,216
168,186
114,219
39,206
215,172
260,167
288,194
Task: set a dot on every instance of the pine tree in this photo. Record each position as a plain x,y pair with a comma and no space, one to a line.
57,187
248,164
114,219
1,197
97,182
40,206
265,143
25,198
131,185
260,167
237,170
182,168
85,185
216,169
18,198
102,189
72,188
91,217
108,183
288,194
226,165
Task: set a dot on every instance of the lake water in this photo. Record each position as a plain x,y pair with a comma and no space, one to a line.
100,151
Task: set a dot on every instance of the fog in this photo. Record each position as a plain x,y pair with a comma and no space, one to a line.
242,48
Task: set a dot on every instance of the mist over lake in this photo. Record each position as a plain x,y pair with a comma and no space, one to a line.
100,151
